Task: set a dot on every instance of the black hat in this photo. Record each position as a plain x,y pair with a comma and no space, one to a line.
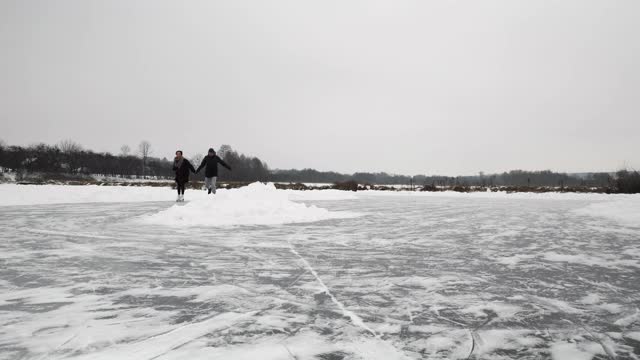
211,150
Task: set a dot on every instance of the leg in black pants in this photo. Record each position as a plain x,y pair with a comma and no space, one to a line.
180,187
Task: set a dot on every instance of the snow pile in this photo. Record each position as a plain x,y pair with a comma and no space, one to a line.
625,209
255,204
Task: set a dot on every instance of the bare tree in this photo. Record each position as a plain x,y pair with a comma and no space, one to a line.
125,150
2,146
144,149
71,151
197,159
69,146
224,150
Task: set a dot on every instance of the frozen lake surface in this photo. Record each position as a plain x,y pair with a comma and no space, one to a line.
365,276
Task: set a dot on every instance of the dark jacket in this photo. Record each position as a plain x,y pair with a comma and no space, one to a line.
211,163
182,172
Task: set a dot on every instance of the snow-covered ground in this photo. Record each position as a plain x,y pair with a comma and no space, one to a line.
12,194
93,272
119,179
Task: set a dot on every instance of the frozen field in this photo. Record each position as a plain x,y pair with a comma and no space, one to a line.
125,273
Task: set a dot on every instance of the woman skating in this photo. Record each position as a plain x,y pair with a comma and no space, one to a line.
181,166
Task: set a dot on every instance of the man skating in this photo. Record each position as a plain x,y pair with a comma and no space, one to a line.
211,162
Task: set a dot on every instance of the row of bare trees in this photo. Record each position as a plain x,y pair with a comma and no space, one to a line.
68,157
71,159
511,178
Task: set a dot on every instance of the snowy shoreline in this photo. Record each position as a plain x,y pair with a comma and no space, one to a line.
22,194
619,207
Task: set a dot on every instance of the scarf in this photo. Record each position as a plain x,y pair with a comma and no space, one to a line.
178,163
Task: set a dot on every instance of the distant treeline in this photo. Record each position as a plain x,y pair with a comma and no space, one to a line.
512,178
68,158
623,181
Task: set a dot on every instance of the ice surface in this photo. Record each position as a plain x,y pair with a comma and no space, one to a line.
415,277
308,195
595,197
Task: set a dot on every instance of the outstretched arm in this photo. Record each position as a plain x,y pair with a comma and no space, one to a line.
191,167
224,164
202,164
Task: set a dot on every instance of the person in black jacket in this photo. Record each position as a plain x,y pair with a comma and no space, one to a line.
210,163
181,166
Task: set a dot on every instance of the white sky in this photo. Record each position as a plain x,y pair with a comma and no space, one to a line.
436,87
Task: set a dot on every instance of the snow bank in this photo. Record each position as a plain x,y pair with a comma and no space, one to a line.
12,194
256,204
625,209
496,195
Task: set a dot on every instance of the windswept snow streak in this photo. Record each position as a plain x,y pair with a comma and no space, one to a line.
158,345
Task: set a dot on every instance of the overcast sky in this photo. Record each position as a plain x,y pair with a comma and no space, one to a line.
435,87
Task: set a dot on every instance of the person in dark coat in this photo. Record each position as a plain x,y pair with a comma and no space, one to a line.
210,163
181,166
